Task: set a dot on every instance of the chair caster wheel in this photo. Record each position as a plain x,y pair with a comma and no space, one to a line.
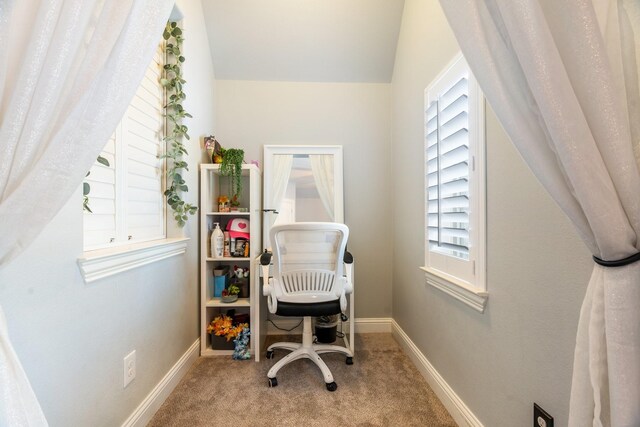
269,354
273,382
349,360
332,386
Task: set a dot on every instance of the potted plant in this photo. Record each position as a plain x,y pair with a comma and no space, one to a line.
231,166
223,331
235,203
231,293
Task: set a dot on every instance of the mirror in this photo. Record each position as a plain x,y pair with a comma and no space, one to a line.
302,183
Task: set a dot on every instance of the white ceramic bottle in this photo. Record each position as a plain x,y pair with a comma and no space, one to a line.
217,242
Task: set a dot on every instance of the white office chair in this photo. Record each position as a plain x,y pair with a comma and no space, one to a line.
308,281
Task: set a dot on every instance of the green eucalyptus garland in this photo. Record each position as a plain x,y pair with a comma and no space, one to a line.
175,113
86,188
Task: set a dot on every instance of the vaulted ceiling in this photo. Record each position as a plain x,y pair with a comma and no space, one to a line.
303,40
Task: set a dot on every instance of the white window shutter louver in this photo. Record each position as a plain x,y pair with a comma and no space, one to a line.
448,160
127,198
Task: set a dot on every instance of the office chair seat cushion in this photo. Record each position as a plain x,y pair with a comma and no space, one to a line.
308,309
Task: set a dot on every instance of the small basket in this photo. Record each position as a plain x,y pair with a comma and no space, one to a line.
221,343
243,284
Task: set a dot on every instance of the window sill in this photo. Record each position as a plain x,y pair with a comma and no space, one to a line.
98,264
463,293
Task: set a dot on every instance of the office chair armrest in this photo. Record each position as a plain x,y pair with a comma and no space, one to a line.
267,289
265,258
347,284
348,270
265,262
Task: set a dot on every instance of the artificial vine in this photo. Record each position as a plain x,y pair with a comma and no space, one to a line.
175,113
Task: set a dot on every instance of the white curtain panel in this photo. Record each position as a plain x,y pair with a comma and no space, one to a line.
68,70
562,77
281,172
322,169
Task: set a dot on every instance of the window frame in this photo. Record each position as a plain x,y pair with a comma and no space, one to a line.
463,280
105,260
101,263
123,144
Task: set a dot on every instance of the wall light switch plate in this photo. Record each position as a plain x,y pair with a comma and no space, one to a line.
541,418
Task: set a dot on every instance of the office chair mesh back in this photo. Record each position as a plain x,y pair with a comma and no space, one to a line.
308,261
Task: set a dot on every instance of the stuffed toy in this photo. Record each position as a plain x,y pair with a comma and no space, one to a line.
241,351
240,272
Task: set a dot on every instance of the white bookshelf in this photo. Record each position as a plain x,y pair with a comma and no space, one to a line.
212,185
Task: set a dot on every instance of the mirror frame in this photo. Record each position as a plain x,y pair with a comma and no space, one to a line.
338,176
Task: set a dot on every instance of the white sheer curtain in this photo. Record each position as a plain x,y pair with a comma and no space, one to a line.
282,164
562,77
322,169
68,70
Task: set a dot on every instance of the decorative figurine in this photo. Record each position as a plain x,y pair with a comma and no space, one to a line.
223,204
241,351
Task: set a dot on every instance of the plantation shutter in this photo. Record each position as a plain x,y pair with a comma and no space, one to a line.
126,198
447,157
100,226
144,124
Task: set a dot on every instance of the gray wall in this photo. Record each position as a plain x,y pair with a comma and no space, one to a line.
72,337
521,349
356,116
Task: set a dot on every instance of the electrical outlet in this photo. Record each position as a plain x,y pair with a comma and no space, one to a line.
541,418
129,368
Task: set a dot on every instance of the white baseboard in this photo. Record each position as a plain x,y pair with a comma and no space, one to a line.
456,407
373,325
363,325
147,409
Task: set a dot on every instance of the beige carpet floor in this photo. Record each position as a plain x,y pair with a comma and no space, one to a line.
381,388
